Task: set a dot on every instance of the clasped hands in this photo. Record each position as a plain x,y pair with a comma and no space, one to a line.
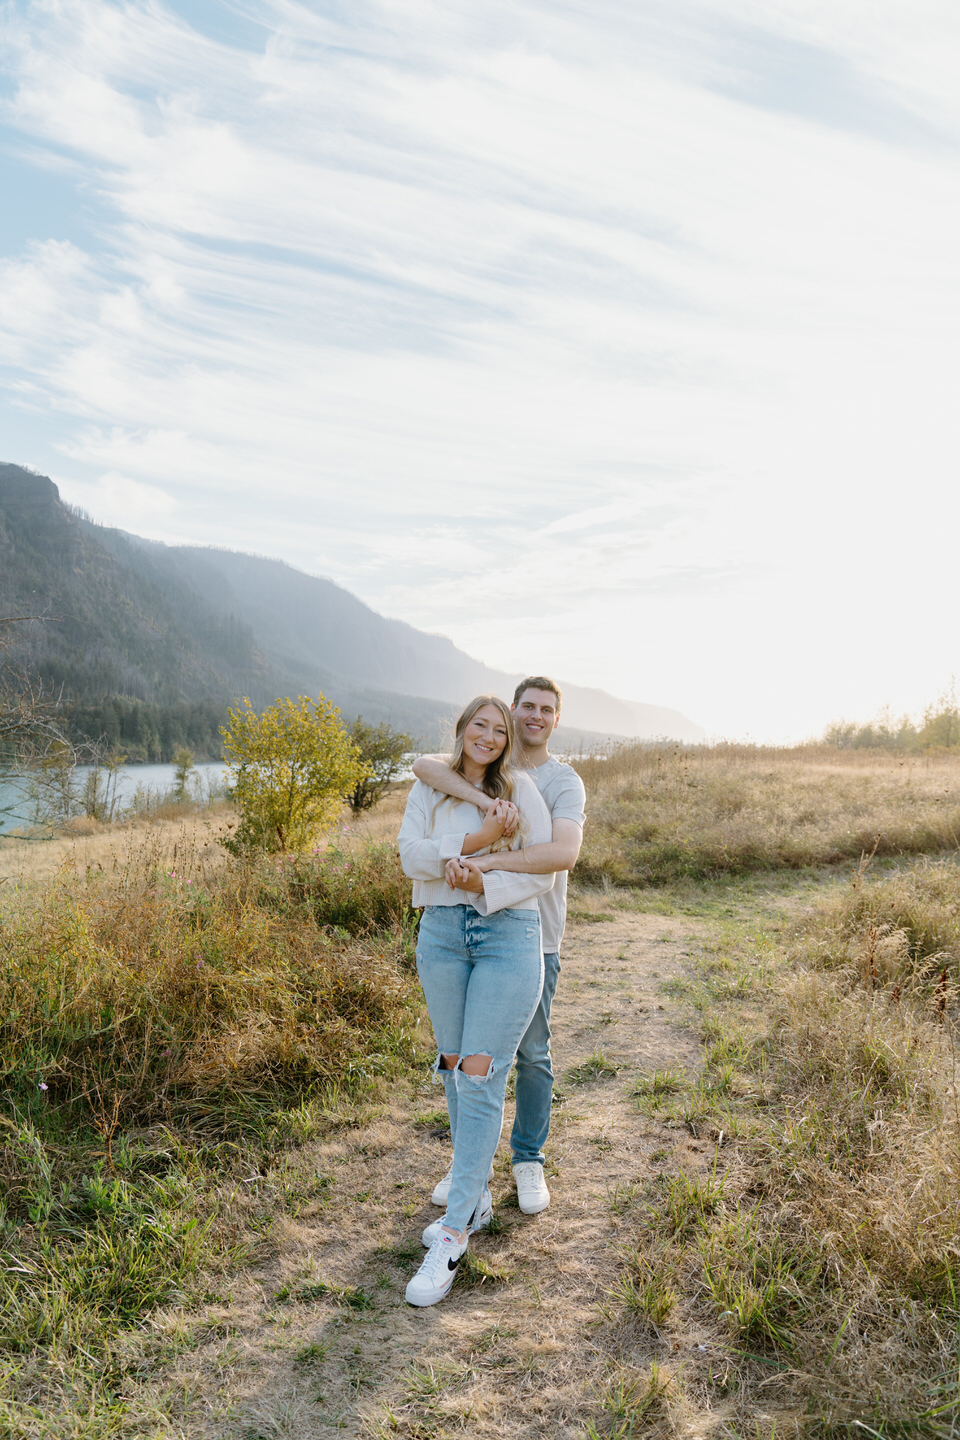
465,873
500,821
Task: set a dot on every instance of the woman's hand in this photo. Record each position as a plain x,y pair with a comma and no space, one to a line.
501,821
464,875
511,818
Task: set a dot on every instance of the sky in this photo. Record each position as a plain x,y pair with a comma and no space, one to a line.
616,340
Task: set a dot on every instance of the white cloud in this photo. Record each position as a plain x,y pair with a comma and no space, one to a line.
540,326
140,505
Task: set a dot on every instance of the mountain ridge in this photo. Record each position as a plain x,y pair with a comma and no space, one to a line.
169,624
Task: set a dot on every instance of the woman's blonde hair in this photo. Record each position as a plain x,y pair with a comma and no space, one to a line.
499,777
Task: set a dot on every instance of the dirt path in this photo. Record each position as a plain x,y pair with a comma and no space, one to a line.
318,1341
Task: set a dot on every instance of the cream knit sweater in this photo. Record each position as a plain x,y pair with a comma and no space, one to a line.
433,831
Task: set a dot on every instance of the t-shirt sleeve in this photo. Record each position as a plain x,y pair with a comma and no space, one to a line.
570,798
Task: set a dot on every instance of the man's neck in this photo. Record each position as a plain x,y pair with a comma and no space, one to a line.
532,759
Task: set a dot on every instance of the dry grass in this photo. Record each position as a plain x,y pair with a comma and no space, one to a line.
84,845
172,1022
821,1253
209,1222
165,980
660,814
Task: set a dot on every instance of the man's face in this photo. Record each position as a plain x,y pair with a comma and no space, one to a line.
535,717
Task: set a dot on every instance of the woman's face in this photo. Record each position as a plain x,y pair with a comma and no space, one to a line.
485,736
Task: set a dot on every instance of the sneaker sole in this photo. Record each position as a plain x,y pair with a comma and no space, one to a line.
433,1300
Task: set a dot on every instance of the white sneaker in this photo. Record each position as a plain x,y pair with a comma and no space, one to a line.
480,1217
441,1191
438,1271
532,1192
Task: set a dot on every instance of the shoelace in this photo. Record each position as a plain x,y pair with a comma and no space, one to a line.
439,1256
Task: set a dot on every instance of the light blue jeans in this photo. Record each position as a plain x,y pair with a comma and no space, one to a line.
482,976
531,1125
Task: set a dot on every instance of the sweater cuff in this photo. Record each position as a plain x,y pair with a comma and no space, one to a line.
451,846
499,893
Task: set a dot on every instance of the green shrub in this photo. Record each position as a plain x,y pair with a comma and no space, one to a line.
358,890
161,989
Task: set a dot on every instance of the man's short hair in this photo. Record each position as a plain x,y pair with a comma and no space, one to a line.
538,682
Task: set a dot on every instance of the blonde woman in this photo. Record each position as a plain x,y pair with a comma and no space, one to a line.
479,960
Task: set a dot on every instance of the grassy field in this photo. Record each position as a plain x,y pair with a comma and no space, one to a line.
817,1252
659,814
171,1023
181,1032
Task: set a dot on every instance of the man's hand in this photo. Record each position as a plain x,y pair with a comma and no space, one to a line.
464,874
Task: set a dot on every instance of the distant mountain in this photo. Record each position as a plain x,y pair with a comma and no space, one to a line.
181,625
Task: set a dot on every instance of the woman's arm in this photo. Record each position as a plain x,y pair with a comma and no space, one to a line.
420,855
423,855
502,888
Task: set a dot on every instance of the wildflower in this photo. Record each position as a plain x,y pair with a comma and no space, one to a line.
44,1087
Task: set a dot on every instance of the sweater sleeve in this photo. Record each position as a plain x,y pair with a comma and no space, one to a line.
504,888
422,855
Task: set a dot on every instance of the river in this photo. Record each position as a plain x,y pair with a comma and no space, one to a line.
136,784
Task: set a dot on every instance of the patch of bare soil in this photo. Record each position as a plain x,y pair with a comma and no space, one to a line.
318,1341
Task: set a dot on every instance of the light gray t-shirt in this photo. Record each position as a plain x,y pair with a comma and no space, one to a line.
562,789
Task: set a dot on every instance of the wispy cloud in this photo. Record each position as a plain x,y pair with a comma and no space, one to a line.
597,329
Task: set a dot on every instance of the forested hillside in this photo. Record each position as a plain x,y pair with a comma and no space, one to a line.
150,643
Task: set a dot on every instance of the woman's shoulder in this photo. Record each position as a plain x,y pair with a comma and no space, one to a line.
419,795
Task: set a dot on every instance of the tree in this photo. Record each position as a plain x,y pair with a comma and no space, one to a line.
101,798
31,712
382,750
183,763
941,724
295,762
33,740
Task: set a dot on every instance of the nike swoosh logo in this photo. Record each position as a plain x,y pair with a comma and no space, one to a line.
452,1264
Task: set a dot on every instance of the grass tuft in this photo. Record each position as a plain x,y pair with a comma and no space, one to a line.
596,1067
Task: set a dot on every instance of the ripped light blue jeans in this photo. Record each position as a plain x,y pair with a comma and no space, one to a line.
482,976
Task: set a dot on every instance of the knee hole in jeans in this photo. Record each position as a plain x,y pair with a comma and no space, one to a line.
477,1065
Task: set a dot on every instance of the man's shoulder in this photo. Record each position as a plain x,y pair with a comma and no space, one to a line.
557,780
554,770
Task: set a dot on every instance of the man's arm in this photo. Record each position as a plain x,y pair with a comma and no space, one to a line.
434,770
559,853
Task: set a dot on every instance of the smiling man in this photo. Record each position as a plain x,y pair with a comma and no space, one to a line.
536,714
